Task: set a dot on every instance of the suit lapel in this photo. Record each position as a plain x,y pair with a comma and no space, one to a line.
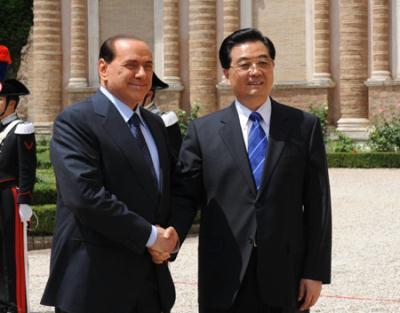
232,136
121,135
278,133
159,140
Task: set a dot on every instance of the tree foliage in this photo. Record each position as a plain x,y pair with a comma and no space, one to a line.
16,18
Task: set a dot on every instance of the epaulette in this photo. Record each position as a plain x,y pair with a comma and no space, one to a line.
25,128
169,118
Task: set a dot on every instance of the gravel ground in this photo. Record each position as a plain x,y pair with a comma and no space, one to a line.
366,249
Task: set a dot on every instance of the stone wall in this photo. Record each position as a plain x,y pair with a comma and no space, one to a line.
384,101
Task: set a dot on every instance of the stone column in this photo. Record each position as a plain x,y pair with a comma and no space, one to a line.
379,17
353,68
78,71
322,73
170,98
202,54
231,16
47,64
395,27
231,23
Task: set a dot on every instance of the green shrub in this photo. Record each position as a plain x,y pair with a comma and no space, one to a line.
16,18
341,143
364,160
322,113
184,120
43,158
46,217
385,135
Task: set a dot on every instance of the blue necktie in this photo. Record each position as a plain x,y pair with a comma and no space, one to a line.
134,123
257,147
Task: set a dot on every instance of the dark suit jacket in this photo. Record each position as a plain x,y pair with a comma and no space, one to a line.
107,201
289,218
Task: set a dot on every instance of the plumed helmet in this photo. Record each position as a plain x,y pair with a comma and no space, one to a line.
5,60
158,84
13,87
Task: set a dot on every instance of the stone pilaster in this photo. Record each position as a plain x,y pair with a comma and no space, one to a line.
202,54
78,81
231,23
353,50
322,73
231,16
170,98
47,64
78,71
379,17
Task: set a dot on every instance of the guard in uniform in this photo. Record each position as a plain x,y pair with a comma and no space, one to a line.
17,178
170,119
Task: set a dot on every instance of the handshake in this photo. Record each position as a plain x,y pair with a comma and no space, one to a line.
167,242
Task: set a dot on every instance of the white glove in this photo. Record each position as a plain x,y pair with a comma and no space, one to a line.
25,212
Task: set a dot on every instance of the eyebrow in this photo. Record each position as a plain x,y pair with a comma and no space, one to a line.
261,56
136,61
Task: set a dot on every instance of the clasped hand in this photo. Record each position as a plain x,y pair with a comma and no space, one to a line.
167,242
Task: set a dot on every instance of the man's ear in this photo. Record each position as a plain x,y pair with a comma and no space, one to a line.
226,73
102,68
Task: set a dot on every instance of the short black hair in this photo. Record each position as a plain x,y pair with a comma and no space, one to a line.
10,98
107,49
242,36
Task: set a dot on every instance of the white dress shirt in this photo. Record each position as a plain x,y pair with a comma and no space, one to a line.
245,123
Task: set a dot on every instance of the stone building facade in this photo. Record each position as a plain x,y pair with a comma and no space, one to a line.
343,54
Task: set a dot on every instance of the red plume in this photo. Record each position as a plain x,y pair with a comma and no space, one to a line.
5,55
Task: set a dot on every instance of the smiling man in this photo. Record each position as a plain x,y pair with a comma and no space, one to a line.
258,171
112,165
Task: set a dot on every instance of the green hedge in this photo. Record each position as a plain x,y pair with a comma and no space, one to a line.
43,157
45,187
45,222
44,194
364,160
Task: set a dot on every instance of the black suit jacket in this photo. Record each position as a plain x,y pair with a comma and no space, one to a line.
289,218
107,201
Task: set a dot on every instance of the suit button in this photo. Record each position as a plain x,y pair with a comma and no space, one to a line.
252,242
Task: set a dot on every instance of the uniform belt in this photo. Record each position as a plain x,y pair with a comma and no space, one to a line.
7,182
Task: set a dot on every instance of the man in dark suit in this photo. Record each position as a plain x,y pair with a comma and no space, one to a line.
258,171
112,166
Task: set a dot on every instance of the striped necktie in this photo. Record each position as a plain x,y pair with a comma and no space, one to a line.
257,147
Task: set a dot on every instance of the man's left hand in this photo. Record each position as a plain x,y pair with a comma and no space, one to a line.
309,293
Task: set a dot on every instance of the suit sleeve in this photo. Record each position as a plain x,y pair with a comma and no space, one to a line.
26,166
317,210
188,189
76,157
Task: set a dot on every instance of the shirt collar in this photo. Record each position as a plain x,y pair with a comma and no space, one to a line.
123,109
264,110
9,118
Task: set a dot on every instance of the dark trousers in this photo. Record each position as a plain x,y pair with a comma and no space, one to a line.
8,295
248,299
147,300
144,305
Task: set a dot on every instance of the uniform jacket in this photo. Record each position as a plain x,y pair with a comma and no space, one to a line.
18,159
